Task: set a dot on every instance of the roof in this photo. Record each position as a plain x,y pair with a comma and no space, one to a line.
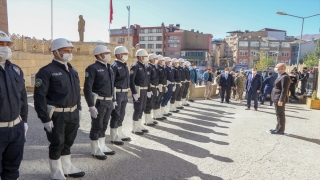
269,29
235,31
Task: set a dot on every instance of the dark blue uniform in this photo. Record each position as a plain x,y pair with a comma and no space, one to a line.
170,80
139,77
162,81
182,78
121,83
153,74
177,80
187,82
13,103
60,87
99,80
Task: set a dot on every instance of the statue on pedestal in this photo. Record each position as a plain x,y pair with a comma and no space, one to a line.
81,25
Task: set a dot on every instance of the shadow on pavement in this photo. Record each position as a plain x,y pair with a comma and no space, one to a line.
203,119
316,141
273,113
211,110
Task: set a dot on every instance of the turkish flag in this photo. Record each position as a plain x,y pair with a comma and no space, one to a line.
111,12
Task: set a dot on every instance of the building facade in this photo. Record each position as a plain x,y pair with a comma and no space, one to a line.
3,16
306,46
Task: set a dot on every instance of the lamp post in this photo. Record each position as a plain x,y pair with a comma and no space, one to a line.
283,13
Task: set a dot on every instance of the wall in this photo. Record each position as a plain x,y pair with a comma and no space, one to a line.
3,16
194,40
318,88
278,35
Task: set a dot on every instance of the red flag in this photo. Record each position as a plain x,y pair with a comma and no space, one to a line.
111,12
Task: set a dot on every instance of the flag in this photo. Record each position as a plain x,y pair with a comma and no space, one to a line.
111,12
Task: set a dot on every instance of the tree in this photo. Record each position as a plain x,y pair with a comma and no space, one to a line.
310,59
264,61
317,49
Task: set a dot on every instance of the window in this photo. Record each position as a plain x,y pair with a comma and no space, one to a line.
286,54
151,38
158,53
272,53
174,53
142,38
158,46
174,37
254,53
159,30
121,39
243,61
264,44
114,39
274,44
150,46
159,38
149,30
142,46
243,53
243,43
254,44
285,44
142,31
173,45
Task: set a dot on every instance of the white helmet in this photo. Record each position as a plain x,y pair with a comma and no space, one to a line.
120,50
175,60
5,38
60,43
167,59
181,60
141,52
188,63
100,49
160,58
152,56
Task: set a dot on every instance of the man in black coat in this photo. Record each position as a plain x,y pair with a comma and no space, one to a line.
226,82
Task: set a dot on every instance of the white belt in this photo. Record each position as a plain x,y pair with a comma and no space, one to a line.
153,86
143,88
169,82
138,88
11,123
186,81
122,90
104,98
68,109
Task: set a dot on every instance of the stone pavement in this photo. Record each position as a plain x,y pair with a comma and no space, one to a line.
207,140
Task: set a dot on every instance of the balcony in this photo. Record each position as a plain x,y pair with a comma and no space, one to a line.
173,41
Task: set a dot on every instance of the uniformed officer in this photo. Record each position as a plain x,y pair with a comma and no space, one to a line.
57,103
13,112
170,87
121,85
187,83
98,92
139,87
177,80
178,100
162,88
153,74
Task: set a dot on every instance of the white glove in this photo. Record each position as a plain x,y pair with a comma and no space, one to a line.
115,104
93,112
166,90
149,94
174,88
25,129
157,93
48,126
136,97
80,115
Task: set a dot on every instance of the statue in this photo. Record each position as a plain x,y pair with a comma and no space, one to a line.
81,25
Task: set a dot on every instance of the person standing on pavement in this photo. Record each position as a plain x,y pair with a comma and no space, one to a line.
13,113
269,81
177,80
57,103
153,83
208,80
170,86
304,76
234,90
187,83
240,82
193,81
121,87
98,92
162,88
139,86
293,84
183,78
279,96
226,83
253,87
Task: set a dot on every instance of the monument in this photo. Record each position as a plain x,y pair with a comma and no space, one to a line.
81,25
3,16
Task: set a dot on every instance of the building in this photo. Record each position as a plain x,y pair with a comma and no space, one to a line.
306,46
120,36
152,38
173,41
3,16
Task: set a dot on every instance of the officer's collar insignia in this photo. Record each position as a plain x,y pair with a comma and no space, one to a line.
38,82
87,74
16,69
2,35
131,72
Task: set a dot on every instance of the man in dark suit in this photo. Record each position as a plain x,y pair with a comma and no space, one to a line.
268,87
279,95
226,82
253,87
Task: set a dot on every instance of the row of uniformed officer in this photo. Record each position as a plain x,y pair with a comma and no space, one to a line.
177,84
182,75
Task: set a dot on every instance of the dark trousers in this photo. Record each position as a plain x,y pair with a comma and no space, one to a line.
150,101
139,105
119,111
12,141
252,94
167,96
175,94
303,87
185,90
224,90
63,133
181,92
158,99
266,91
292,90
281,118
99,125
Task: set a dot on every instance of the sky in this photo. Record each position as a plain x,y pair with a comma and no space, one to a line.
33,17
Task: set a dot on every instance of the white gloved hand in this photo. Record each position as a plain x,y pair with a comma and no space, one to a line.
149,94
93,112
48,126
157,93
166,90
135,97
115,104
80,115
25,129
174,88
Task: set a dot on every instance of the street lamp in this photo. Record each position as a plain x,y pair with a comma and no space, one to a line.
283,13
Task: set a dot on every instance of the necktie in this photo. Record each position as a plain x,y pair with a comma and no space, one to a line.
226,76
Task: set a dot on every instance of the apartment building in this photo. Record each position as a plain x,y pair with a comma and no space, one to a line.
120,36
306,46
153,38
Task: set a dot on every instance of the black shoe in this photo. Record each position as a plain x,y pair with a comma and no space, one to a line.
262,103
110,153
155,122
190,100
166,114
221,101
186,105
126,139
151,124
117,142
175,111
277,132
145,130
180,107
169,114
100,157
228,102
137,133
163,118
75,175
159,119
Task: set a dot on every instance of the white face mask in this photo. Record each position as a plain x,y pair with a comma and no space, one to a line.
5,53
163,63
124,58
156,62
170,64
106,58
145,60
66,57
194,67
227,72
254,72
276,70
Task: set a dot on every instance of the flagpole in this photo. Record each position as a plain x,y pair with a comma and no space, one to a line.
51,20
128,7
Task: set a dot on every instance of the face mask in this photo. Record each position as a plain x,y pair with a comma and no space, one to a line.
106,58
163,63
170,64
124,58
5,53
194,67
254,72
227,72
145,60
156,61
66,57
276,70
